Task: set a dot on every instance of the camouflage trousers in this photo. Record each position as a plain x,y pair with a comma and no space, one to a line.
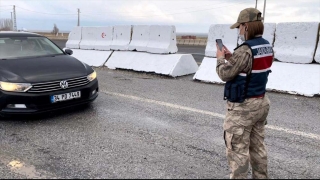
244,132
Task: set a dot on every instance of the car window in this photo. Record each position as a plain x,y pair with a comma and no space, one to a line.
19,47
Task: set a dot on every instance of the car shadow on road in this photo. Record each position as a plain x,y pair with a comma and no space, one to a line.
48,115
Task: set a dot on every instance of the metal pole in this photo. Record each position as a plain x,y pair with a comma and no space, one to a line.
11,22
14,18
264,10
256,3
78,17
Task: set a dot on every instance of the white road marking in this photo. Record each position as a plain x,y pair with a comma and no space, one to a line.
276,128
290,131
165,104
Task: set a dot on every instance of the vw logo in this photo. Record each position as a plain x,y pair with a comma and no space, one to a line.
64,84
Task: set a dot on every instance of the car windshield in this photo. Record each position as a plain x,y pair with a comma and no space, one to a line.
19,47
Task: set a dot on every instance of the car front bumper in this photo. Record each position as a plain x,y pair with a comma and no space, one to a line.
37,103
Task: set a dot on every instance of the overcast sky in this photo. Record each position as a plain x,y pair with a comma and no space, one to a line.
187,15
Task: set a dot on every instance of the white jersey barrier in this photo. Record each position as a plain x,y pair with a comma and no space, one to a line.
121,38
153,39
317,55
159,42
295,42
162,40
285,77
295,78
172,64
98,38
88,38
91,57
221,31
74,38
103,38
207,71
140,38
269,32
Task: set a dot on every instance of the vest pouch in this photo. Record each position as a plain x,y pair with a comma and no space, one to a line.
227,91
234,92
241,93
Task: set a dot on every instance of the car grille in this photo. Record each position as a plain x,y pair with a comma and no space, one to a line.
55,85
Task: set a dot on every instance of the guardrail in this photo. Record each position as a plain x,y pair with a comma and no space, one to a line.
192,42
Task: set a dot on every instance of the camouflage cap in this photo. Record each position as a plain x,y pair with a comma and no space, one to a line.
247,15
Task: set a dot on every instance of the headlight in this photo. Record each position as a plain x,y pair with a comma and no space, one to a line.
92,76
16,87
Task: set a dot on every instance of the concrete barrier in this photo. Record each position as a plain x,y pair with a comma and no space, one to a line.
166,64
103,36
221,31
162,40
140,38
91,57
285,77
74,38
121,38
295,78
317,54
88,39
269,32
207,71
295,42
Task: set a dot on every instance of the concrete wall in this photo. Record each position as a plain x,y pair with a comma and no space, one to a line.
64,36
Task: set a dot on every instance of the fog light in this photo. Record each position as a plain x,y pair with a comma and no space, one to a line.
93,92
16,106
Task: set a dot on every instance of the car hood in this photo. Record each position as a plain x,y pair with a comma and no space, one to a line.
41,69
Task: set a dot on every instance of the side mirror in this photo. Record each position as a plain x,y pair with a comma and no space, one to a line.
68,51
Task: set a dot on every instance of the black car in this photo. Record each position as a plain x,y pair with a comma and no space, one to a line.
37,76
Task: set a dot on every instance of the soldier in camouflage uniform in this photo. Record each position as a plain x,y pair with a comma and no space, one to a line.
247,69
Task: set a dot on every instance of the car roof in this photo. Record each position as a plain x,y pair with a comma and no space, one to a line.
18,34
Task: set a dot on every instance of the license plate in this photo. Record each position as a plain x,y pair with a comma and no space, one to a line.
65,96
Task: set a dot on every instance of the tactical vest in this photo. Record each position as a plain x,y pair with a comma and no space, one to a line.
251,84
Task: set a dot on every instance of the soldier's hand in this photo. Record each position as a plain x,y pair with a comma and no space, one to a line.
227,53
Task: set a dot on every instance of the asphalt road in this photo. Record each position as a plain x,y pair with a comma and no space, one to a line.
144,125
